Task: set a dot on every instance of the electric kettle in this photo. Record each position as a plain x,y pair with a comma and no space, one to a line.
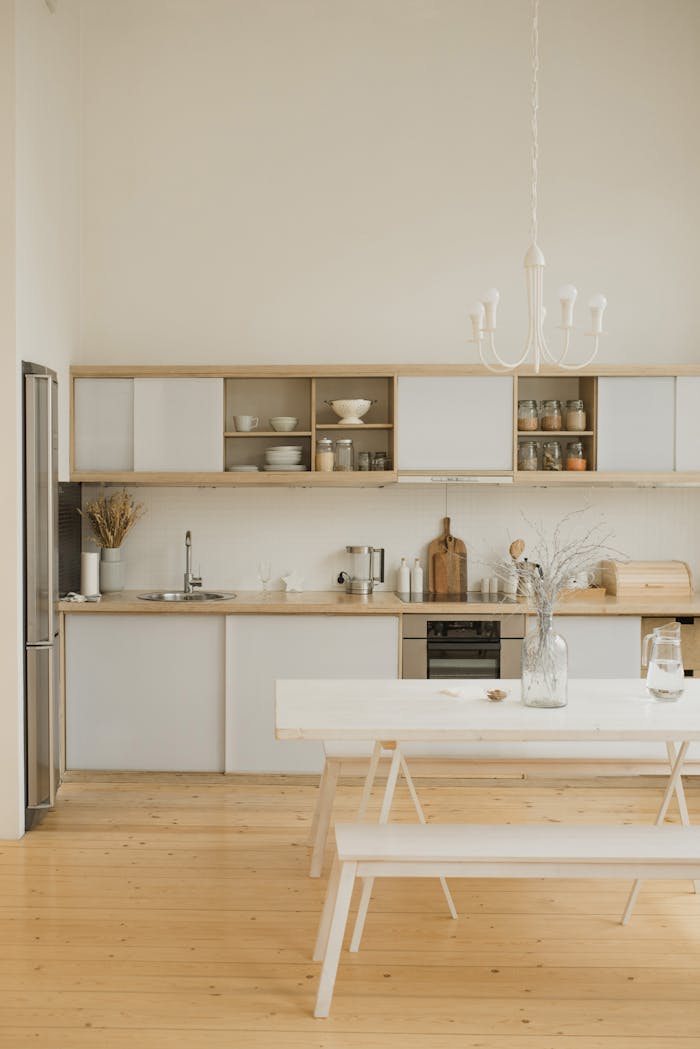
366,569
665,675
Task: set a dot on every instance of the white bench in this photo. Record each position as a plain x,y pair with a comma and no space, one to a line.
488,851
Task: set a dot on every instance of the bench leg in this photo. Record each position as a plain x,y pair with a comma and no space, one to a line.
421,816
680,797
339,919
325,922
322,816
383,818
670,791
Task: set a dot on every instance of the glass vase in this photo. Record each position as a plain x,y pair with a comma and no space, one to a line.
544,666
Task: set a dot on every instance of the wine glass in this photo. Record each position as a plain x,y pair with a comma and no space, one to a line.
264,574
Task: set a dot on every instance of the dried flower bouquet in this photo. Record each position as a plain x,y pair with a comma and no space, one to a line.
111,519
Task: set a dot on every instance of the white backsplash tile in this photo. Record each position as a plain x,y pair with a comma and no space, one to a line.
307,529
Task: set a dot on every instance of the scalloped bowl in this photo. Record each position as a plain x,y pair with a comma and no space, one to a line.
350,410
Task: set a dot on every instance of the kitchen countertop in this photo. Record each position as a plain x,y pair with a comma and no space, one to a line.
382,602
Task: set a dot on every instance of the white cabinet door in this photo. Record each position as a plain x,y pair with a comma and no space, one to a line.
636,424
103,416
260,649
179,425
455,423
145,692
602,646
688,422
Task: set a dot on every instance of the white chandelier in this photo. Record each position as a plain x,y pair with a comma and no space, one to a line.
483,314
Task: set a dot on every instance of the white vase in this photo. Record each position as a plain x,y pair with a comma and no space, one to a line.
111,570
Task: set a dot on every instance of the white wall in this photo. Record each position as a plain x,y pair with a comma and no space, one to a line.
39,293
317,180
48,192
308,529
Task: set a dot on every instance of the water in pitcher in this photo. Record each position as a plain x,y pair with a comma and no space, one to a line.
665,674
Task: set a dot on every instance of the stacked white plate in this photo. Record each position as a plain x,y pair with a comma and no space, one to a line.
283,457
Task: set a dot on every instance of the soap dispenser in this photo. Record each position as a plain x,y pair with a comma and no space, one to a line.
404,577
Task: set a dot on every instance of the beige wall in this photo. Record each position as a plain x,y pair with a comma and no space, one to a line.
48,192
317,180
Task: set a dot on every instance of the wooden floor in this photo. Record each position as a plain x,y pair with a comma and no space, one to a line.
175,912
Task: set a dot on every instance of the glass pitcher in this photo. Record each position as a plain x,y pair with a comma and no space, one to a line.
665,675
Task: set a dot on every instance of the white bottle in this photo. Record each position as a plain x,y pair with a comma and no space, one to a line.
417,578
404,577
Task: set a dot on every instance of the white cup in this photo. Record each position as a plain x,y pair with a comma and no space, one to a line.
245,422
493,584
485,585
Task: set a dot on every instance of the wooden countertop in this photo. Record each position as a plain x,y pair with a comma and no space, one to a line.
382,602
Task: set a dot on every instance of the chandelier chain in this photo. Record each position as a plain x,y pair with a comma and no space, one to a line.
534,157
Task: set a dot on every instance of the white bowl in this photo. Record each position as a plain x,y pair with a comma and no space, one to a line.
349,410
242,469
284,448
282,467
283,458
283,422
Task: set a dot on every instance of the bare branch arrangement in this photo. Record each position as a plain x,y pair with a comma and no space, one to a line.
111,519
572,550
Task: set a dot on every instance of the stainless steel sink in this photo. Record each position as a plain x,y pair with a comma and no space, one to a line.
181,595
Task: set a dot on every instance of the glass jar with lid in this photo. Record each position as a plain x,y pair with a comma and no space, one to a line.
551,456
576,456
379,461
551,415
527,415
325,457
343,454
364,460
575,415
527,455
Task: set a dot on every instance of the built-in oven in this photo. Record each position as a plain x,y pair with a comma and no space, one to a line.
469,645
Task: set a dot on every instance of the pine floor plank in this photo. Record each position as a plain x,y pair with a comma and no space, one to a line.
176,912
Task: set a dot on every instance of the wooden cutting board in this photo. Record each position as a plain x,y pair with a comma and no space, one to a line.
447,563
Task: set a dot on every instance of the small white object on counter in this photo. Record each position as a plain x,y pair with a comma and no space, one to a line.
417,577
89,573
485,585
493,584
293,583
404,577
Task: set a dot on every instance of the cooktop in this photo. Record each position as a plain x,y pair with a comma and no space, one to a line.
472,597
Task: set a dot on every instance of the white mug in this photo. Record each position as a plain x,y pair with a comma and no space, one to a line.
245,422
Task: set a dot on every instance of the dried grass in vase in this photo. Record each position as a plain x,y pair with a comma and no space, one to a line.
111,519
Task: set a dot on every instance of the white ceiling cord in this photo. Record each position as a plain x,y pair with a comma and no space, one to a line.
483,314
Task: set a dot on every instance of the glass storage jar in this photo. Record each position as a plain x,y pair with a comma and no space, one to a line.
364,460
325,458
551,456
379,461
343,453
527,415
527,455
575,415
551,415
575,456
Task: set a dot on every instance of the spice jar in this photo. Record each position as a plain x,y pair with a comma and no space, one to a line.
343,454
364,460
324,455
575,415
575,456
551,415
527,455
551,456
527,415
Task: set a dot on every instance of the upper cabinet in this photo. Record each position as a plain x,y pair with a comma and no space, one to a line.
688,422
372,425
178,425
636,424
455,423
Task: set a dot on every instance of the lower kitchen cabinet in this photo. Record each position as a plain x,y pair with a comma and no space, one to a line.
145,692
263,648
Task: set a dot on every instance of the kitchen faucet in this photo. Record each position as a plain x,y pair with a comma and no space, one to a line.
191,581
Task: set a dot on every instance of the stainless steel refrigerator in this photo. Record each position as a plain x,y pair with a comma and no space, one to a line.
41,661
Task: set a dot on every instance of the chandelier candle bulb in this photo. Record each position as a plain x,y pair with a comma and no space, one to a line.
567,297
597,304
490,303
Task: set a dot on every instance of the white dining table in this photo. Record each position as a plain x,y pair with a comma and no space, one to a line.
395,712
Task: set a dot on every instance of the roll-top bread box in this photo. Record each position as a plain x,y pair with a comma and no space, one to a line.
644,578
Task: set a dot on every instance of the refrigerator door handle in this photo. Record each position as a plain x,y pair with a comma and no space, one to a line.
34,452
41,728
